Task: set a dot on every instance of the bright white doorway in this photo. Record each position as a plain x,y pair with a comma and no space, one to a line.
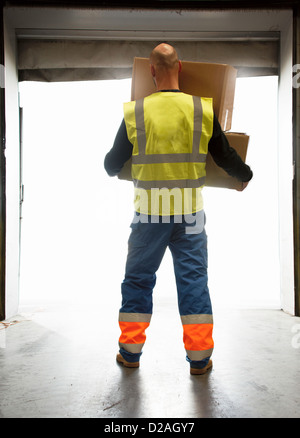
243,228
73,231
74,234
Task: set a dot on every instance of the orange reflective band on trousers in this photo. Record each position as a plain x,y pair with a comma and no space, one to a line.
133,332
198,340
133,327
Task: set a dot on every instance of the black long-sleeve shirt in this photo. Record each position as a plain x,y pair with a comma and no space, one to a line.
222,153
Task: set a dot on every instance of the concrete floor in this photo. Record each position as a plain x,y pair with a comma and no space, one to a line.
59,361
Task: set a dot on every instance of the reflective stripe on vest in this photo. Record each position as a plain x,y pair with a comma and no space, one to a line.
182,171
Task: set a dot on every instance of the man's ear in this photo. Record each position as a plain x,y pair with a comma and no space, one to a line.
152,69
179,66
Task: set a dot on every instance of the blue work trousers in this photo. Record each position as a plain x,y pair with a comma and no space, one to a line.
147,244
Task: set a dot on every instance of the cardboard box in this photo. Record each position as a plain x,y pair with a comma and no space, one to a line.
196,78
215,175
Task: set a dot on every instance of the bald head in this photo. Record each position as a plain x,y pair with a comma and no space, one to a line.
164,56
165,66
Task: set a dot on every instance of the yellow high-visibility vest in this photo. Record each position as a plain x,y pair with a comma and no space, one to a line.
169,132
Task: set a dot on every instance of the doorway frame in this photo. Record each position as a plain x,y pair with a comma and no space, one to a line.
38,21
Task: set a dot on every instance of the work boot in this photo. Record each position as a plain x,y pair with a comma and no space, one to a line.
125,363
197,371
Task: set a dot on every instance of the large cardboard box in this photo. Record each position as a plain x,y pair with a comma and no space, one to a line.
215,175
196,78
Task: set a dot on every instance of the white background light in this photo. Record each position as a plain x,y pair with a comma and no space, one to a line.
76,219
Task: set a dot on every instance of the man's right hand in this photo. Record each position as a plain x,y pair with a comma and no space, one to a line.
242,186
